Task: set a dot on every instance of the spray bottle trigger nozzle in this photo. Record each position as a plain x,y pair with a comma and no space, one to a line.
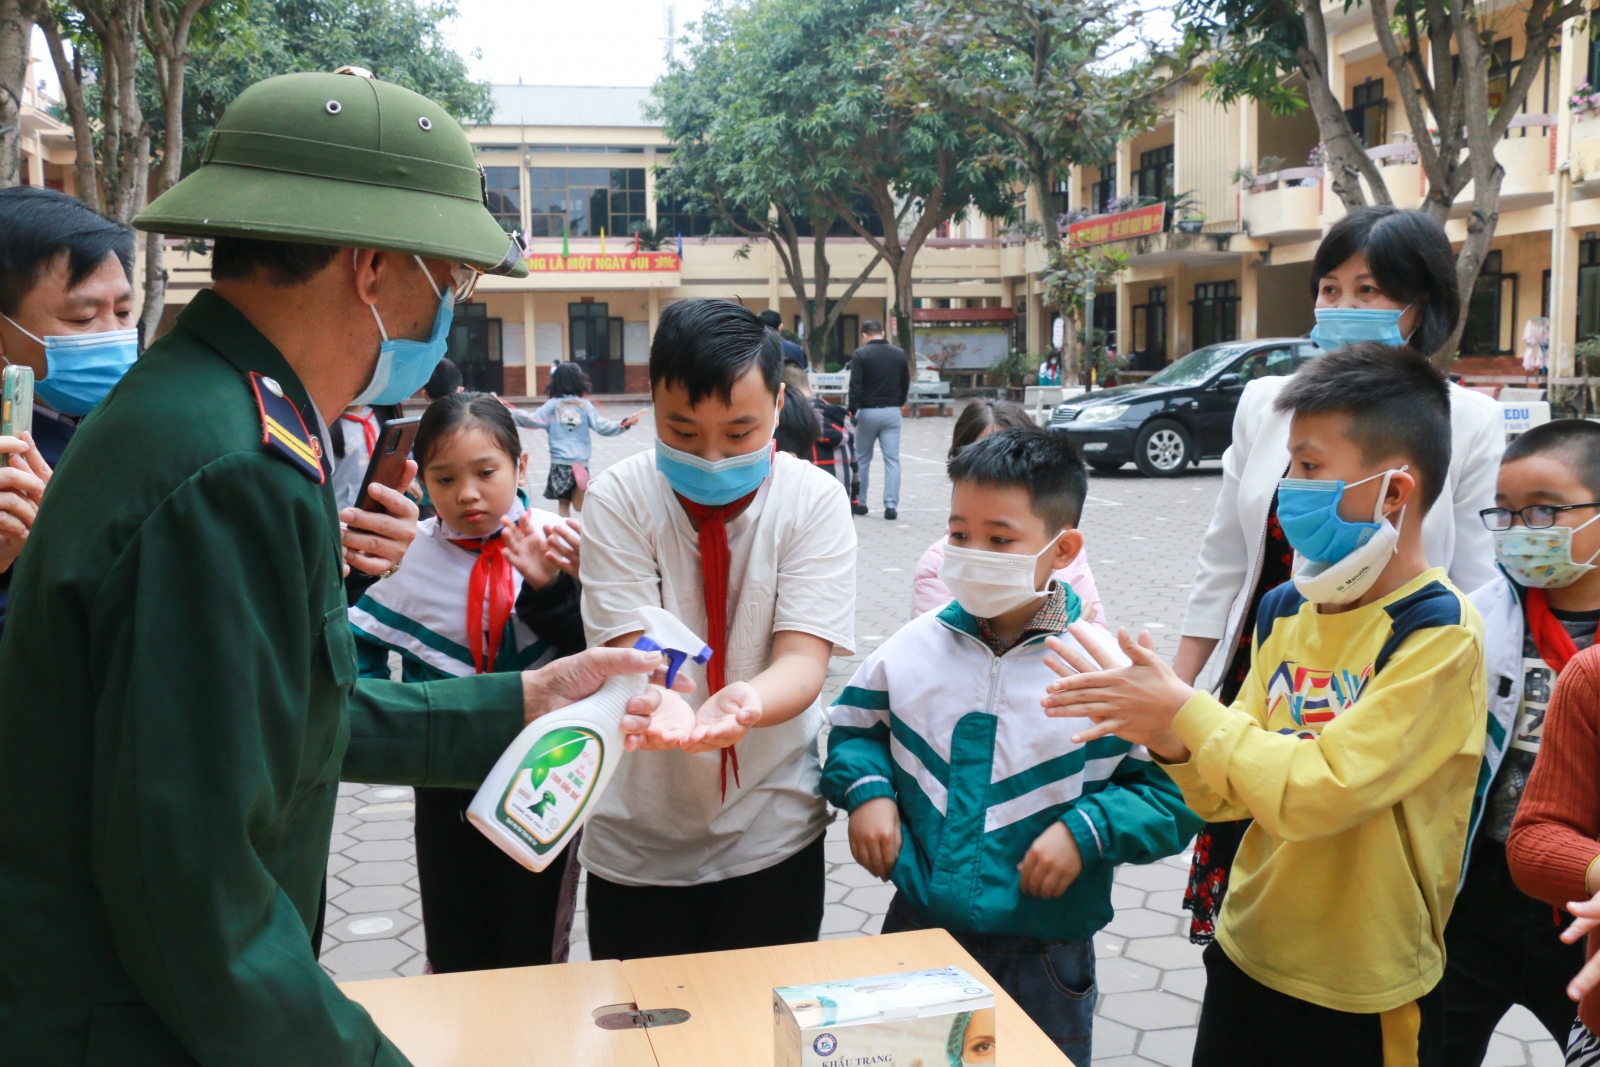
675,660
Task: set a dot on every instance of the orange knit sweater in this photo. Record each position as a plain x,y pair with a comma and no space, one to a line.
1556,835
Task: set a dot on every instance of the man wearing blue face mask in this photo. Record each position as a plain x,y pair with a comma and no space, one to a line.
66,312
178,682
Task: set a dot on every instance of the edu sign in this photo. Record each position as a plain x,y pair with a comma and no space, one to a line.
1523,415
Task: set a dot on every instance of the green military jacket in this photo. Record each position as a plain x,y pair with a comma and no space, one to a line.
178,702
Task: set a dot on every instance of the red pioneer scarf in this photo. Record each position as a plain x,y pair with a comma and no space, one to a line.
1555,645
491,579
369,427
714,569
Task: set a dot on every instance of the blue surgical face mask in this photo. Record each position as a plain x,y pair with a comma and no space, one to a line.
81,368
405,366
1337,327
1308,511
713,482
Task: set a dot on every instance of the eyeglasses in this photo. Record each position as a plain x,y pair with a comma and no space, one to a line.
464,281
1536,517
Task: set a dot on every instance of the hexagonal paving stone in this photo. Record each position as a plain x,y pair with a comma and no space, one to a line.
375,898
1523,1025
1167,953
1174,1048
1126,896
1152,876
1504,1052
399,848
1117,975
366,958
1123,1061
1142,922
837,852
1168,902
337,862
1106,945
386,812
389,873
1149,1010
841,918
872,899
1187,982
382,831
1111,1038
1546,1054
414,966
833,892
340,842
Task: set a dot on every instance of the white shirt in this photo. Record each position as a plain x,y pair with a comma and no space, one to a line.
1453,536
792,567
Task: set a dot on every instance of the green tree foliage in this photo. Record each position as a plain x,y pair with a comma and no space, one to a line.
1063,82
397,40
1439,56
747,156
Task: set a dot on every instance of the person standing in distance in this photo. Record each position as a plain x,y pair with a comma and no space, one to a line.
880,382
792,353
178,693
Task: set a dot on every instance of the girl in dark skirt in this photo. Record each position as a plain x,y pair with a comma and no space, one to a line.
568,417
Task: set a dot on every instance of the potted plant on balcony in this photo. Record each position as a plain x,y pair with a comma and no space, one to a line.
1191,223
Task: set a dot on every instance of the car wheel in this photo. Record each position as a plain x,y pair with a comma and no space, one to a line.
1105,466
1163,449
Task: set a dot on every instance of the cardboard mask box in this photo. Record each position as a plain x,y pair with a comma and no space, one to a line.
933,1018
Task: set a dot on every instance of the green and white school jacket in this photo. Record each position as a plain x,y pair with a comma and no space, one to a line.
421,613
957,737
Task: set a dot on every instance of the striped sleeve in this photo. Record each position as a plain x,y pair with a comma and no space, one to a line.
858,767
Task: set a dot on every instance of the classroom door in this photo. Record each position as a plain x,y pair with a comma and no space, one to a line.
589,328
475,349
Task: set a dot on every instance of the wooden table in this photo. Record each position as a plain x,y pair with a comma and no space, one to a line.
524,1016
538,1015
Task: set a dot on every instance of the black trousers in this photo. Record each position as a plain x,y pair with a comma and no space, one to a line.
781,905
1242,1022
481,908
1503,948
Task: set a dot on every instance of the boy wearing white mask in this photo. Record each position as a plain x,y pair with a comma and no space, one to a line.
992,821
710,835
1504,947
1355,742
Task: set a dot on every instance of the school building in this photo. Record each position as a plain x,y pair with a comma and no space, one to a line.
574,168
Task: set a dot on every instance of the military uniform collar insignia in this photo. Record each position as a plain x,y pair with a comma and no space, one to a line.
283,431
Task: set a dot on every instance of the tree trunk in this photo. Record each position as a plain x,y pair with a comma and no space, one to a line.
1346,162
16,30
70,75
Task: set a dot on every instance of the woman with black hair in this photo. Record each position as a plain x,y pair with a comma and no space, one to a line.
1380,274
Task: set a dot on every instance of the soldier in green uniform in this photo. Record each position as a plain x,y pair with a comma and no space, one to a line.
178,693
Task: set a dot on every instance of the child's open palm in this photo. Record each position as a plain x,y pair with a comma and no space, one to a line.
669,723
1136,701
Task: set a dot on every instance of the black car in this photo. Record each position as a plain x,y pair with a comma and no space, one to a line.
1182,414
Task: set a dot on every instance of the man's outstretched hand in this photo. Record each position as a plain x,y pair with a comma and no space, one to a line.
566,681
1136,702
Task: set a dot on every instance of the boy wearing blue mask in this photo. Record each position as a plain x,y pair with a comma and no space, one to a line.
1355,742
1504,947
710,836
992,823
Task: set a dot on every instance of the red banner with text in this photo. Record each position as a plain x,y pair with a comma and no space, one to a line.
1140,222
592,263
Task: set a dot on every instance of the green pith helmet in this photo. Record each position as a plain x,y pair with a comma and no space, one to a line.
340,159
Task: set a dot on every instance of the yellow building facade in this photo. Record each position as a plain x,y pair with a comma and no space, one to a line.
565,165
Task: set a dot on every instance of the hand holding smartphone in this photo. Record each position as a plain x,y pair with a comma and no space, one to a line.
388,463
16,401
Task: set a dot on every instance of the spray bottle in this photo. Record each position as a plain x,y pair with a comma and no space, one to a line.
547,783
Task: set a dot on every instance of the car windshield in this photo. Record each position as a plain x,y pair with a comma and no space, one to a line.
1198,365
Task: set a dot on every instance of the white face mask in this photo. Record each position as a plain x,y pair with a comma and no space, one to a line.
1348,578
987,584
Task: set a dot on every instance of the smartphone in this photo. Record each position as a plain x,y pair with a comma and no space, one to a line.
388,463
16,401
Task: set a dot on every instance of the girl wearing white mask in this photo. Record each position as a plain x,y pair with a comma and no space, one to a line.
1380,274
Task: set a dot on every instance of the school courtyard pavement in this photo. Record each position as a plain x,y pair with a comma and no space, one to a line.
1142,537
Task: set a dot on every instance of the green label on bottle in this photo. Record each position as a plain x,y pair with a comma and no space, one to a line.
551,786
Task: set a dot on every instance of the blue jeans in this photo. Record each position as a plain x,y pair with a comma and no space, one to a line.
872,426
1053,981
